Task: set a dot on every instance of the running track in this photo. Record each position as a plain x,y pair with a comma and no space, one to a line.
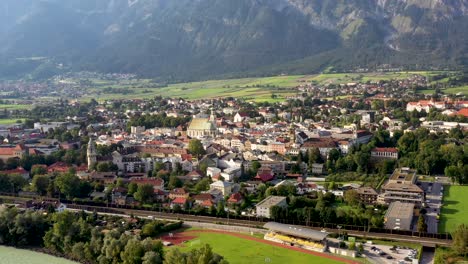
252,238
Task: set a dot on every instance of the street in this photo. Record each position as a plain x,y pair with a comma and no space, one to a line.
434,194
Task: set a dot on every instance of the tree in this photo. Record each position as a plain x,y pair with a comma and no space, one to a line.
333,155
203,185
151,257
103,167
422,226
132,188
12,163
196,148
174,182
144,193
38,170
67,185
203,255
351,197
5,183
460,240
255,166
314,156
151,229
40,184
220,209
133,252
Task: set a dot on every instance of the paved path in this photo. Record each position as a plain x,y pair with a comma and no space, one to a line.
259,240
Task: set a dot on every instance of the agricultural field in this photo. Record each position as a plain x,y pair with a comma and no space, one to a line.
452,90
454,210
244,251
271,89
15,107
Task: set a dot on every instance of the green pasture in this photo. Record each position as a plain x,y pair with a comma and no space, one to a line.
251,89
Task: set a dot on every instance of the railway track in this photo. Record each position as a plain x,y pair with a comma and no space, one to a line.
429,242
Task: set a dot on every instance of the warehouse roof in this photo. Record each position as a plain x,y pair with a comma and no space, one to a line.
297,231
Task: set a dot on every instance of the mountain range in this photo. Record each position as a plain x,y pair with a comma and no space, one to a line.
180,40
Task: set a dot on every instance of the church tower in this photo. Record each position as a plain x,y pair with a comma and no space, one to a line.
91,154
212,116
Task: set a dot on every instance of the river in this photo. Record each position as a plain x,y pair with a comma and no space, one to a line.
9,255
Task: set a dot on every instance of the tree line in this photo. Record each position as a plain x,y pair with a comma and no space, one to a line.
89,238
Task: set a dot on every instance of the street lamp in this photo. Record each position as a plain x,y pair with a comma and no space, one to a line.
339,235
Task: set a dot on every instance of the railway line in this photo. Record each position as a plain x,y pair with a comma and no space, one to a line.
428,242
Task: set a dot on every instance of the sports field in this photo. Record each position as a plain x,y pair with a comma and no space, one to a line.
246,249
454,211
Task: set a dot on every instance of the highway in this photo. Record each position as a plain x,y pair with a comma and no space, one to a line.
428,242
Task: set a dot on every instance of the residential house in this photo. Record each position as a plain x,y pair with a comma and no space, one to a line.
367,195
13,152
235,198
264,174
224,187
384,153
263,208
157,183
178,193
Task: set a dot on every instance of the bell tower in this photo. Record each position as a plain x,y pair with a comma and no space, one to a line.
91,154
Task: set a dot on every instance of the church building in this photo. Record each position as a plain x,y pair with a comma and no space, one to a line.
202,127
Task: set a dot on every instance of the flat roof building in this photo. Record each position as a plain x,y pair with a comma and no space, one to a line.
403,176
264,207
399,216
367,195
401,187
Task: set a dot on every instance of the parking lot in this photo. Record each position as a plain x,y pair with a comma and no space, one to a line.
434,194
381,254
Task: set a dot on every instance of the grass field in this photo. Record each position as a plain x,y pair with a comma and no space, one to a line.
454,211
14,255
241,251
10,121
452,90
15,107
251,89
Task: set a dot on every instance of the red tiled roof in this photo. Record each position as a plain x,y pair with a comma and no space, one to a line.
146,180
207,203
179,191
235,198
18,170
179,200
7,151
202,197
463,112
186,157
320,143
392,150
264,177
194,173
294,175
59,167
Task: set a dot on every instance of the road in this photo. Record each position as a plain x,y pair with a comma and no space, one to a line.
434,194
